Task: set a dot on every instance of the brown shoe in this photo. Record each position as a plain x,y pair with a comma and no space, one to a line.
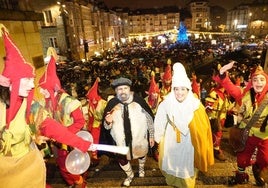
218,154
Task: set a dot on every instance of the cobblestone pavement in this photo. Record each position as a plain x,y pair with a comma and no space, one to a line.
109,174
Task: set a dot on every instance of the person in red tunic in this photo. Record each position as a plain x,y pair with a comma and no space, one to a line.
217,105
23,121
250,99
166,80
68,111
153,99
96,107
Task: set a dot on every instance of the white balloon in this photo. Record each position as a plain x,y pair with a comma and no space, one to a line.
85,135
77,162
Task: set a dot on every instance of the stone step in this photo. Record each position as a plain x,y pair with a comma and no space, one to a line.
109,174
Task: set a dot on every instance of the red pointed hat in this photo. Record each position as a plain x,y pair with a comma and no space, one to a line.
15,68
50,80
153,85
167,74
93,91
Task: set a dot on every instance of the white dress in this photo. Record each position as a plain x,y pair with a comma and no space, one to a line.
178,158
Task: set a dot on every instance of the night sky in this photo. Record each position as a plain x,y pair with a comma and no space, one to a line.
134,4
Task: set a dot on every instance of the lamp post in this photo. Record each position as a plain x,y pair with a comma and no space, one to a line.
249,23
207,24
235,25
64,15
120,30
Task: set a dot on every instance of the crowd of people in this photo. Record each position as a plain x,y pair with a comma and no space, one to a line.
124,98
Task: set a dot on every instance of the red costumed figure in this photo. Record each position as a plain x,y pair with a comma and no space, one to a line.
23,121
251,100
217,106
196,86
166,80
96,107
153,98
153,101
68,111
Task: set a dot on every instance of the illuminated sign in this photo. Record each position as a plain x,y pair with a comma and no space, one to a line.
242,26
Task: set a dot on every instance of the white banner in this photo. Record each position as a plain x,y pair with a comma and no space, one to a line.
115,149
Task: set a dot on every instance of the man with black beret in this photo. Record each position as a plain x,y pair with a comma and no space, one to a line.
127,121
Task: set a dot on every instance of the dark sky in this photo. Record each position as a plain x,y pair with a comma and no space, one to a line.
134,4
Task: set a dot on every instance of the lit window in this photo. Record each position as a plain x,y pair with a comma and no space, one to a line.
48,16
53,42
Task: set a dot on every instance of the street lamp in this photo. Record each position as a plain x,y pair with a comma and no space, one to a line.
207,24
249,22
64,14
235,24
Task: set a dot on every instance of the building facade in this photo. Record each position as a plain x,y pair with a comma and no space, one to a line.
23,25
218,18
249,20
258,19
78,29
200,11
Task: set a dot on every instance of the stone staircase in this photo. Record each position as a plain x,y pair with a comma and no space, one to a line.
109,174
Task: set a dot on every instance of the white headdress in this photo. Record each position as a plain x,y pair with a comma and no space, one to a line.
179,77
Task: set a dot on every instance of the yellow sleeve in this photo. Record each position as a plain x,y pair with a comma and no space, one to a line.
201,137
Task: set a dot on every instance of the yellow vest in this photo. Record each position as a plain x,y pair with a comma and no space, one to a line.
247,111
17,138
